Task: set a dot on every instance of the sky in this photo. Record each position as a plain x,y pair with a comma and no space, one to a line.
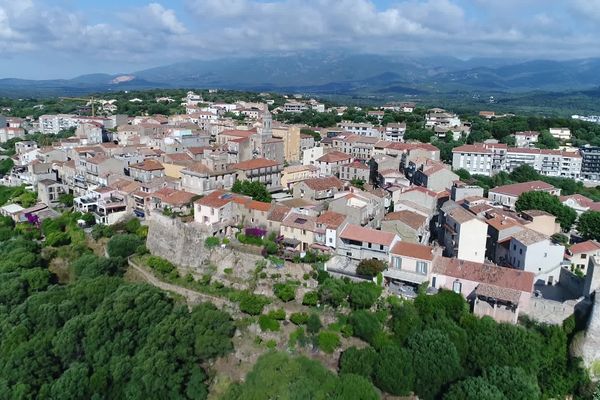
42,39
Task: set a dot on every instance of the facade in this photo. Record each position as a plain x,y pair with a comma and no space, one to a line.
360,128
507,195
318,189
355,171
409,263
331,162
534,252
526,139
360,243
410,226
590,163
463,234
267,172
561,133
297,173
480,159
580,254
394,132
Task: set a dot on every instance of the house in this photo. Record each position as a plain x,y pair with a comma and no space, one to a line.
357,171
560,133
507,195
297,173
580,254
106,203
409,263
410,226
580,203
275,217
329,163
526,138
500,231
49,191
299,231
147,170
434,176
360,243
497,292
462,233
267,172
318,189
216,211
329,226
534,252
541,221
394,132
172,200
200,179
461,191
424,199
361,207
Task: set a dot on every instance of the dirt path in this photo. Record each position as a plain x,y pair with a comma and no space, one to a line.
192,297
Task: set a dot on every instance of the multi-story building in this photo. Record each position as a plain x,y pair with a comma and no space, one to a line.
360,243
561,133
526,138
355,171
590,163
507,195
480,158
360,128
267,172
462,233
394,132
534,252
441,117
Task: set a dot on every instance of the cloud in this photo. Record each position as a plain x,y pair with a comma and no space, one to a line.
162,32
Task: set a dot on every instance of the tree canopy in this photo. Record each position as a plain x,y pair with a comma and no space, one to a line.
544,201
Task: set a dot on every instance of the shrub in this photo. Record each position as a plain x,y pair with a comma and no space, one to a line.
211,242
160,265
270,247
271,344
267,323
228,270
299,318
278,314
285,291
313,323
370,268
310,299
252,304
123,245
89,219
364,294
56,239
358,361
328,341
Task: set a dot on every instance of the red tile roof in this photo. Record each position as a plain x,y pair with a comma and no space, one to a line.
331,219
485,273
148,165
217,199
255,164
410,218
413,250
585,247
334,156
258,205
324,183
362,234
517,189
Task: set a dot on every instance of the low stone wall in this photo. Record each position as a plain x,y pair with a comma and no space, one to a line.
552,311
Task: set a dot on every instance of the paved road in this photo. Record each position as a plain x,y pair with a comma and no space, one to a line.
192,297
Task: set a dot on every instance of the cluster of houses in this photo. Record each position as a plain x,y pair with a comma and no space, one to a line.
359,193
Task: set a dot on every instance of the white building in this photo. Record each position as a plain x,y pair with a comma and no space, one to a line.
534,252
561,133
360,128
526,138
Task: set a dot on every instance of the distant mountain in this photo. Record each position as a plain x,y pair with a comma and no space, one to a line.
334,73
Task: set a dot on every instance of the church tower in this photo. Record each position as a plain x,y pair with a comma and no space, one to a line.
267,128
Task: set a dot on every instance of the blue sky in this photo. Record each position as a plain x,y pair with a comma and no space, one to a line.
63,38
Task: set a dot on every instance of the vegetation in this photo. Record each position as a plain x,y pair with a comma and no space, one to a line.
370,267
588,225
211,242
256,190
544,201
285,291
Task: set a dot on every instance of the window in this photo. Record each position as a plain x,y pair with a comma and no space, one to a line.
422,267
545,255
457,287
330,240
398,262
381,247
584,256
369,245
520,251
514,247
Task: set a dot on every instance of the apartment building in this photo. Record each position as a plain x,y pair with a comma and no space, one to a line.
463,234
479,158
360,128
507,195
267,172
590,163
360,243
394,132
526,138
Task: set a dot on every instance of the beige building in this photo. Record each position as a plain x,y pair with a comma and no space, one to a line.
301,228
541,221
290,134
297,173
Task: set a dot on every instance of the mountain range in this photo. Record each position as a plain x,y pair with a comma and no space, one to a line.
334,73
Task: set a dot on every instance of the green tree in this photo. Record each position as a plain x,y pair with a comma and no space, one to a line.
370,267
256,190
313,323
358,361
524,173
513,382
363,294
544,201
474,389
328,341
546,141
285,291
393,371
588,225
123,245
310,299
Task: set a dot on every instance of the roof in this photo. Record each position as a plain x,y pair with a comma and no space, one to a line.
413,250
500,222
255,164
278,212
460,215
148,165
258,205
12,208
517,189
485,273
217,199
357,165
409,218
239,133
362,234
300,221
324,183
334,156
585,247
331,219
529,236
174,197
497,292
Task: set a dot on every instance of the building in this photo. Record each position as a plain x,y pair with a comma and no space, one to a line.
356,170
409,263
147,170
534,252
360,128
394,132
461,191
526,138
580,203
267,172
297,173
463,235
435,176
410,226
561,133
299,231
330,163
329,226
590,163
440,117
507,195
580,253
318,189
50,191
497,292
216,211
295,107
360,243
361,207
479,158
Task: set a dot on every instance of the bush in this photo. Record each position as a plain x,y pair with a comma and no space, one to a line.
56,239
211,242
89,219
270,247
299,318
123,245
267,323
365,325
310,299
160,265
363,294
328,341
252,304
285,291
278,314
313,323
370,268
358,361
393,371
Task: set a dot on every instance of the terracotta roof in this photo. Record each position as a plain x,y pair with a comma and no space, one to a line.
300,221
198,149
278,212
334,156
410,218
148,165
174,197
500,223
413,250
217,199
255,164
529,236
258,205
357,165
485,273
517,189
421,189
585,247
460,215
362,234
497,292
179,158
331,219
238,133
198,168
324,183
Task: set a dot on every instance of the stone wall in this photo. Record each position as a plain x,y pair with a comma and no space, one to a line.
587,344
